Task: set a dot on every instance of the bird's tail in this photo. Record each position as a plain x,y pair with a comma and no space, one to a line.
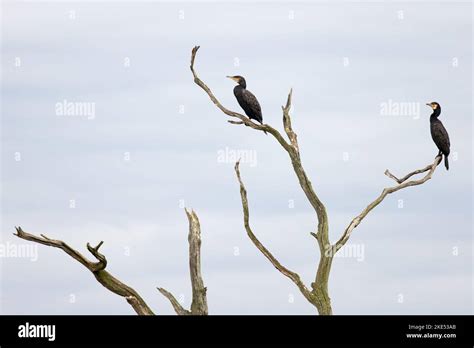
446,163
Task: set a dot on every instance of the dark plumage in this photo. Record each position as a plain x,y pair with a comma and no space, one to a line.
438,133
247,100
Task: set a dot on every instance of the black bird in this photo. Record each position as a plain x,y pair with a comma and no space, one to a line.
247,100
438,133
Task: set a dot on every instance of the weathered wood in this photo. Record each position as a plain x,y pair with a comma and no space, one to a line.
199,291
97,269
295,278
403,183
199,303
174,302
319,294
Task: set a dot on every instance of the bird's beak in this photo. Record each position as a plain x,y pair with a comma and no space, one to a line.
232,78
429,104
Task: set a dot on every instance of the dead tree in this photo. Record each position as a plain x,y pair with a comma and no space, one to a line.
318,294
199,302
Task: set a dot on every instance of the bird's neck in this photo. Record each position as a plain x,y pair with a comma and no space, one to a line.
435,114
239,88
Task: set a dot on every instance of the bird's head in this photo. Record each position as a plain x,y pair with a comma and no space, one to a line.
239,79
434,105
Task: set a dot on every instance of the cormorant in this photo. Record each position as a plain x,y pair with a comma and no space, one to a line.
247,100
438,133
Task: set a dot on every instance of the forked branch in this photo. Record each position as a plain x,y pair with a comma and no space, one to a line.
199,303
318,296
402,183
291,148
97,269
243,119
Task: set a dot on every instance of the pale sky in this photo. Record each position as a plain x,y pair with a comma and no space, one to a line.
155,142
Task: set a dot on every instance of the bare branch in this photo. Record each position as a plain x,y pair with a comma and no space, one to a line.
321,299
243,119
138,305
294,277
97,269
403,183
409,175
319,295
292,149
287,122
320,285
95,251
199,302
177,307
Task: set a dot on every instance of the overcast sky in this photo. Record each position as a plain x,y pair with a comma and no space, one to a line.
153,142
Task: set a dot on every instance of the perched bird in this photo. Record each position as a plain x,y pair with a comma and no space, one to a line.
247,100
438,133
